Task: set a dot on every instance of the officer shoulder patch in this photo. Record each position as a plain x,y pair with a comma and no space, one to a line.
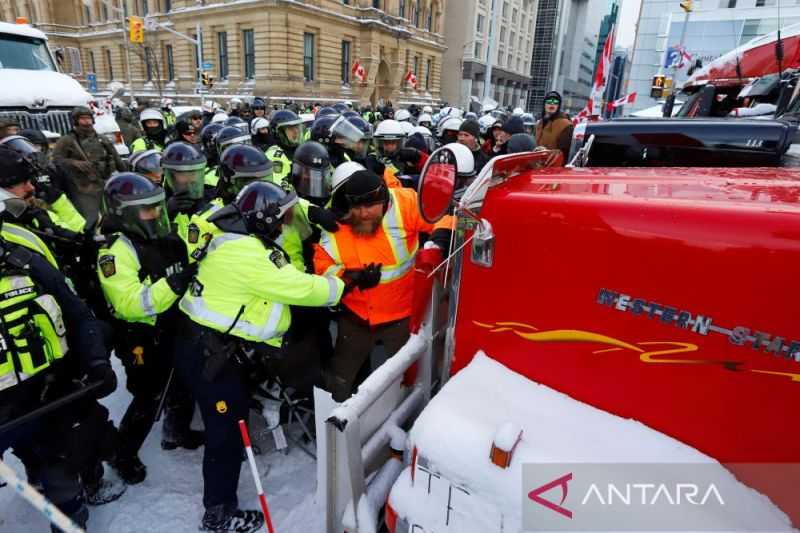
277,257
107,265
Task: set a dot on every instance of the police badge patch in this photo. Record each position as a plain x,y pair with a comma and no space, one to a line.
107,265
277,257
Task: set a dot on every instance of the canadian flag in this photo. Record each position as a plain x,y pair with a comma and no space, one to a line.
603,68
629,99
411,79
359,72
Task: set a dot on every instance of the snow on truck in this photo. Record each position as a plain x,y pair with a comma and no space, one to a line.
37,95
585,315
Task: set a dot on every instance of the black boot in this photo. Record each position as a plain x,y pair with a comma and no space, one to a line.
104,491
130,469
227,518
191,440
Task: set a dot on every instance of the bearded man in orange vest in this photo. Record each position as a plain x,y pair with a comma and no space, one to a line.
373,252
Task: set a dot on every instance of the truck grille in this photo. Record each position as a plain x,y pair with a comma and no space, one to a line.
54,120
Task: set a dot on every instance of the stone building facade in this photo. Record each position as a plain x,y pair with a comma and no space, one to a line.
284,49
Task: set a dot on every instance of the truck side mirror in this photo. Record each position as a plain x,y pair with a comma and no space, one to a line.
437,184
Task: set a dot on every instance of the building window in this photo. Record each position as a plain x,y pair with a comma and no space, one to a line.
479,24
477,50
91,62
417,13
416,66
193,53
109,65
222,47
428,75
503,34
170,62
345,62
376,4
308,56
104,7
429,21
346,2
401,9
514,15
765,3
87,15
513,39
505,9
167,6
249,40
145,9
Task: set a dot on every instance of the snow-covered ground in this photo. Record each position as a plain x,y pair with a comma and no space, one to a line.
170,499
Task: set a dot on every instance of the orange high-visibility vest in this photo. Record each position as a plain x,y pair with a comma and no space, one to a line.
394,245
390,177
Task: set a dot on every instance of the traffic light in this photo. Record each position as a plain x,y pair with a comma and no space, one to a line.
208,81
136,27
657,89
686,5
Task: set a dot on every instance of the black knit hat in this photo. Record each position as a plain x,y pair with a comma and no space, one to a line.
364,187
471,127
514,125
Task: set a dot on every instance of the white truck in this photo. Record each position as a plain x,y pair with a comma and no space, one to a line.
37,95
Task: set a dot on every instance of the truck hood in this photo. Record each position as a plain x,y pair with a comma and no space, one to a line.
39,89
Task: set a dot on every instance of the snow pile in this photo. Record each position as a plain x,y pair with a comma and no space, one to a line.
455,432
171,498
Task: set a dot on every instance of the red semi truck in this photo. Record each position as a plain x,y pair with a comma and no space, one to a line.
588,315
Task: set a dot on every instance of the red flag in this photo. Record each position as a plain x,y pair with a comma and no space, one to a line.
359,72
411,79
629,99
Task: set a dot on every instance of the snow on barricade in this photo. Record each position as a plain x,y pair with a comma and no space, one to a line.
454,434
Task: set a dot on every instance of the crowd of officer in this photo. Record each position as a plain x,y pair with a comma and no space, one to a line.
213,263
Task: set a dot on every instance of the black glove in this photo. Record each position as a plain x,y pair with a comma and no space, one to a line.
408,155
103,372
364,279
179,281
47,190
325,218
180,203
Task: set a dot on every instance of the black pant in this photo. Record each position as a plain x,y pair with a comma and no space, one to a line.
354,344
223,401
148,360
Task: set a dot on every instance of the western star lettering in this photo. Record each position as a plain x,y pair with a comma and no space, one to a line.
700,324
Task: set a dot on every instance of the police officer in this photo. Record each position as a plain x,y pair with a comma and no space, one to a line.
143,270
240,165
237,312
88,159
37,365
155,131
209,139
287,129
45,195
148,164
259,108
184,167
260,134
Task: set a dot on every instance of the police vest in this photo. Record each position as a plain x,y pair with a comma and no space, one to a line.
281,167
145,143
32,332
244,288
23,237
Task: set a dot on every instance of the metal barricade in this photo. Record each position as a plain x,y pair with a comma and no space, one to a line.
353,439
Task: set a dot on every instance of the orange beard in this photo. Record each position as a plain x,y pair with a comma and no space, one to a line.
366,227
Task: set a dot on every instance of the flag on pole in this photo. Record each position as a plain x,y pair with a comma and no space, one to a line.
628,99
359,72
603,68
411,79
677,57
